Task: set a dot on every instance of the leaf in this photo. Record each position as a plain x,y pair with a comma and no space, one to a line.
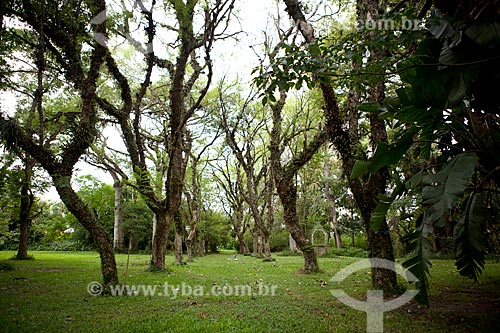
444,189
385,155
372,107
470,239
484,34
403,96
360,168
383,206
418,264
414,180
412,114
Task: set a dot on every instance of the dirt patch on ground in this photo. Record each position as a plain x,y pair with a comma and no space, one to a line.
465,310
467,301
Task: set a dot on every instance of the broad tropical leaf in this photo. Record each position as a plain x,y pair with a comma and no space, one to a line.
418,264
443,190
470,239
385,155
383,206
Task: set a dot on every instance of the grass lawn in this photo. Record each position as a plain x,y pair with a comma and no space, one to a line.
49,294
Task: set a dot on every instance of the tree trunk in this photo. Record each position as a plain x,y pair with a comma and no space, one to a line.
243,246
335,223
365,193
190,242
159,245
201,247
255,244
333,208
292,243
88,219
268,227
118,232
260,246
379,241
24,221
310,260
288,195
26,203
267,247
179,260
380,246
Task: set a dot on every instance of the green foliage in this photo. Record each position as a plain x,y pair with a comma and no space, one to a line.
418,264
386,154
443,190
437,108
215,228
470,239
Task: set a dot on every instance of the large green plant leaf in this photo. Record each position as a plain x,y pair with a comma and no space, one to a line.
383,206
386,154
469,238
485,34
418,264
444,189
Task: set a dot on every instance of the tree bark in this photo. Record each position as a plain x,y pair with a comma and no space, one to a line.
26,203
292,243
159,245
366,193
288,196
284,180
201,247
267,247
24,221
179,260
88,219
118,231
333,209
255,244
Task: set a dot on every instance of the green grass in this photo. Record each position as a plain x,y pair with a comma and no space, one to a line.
49,294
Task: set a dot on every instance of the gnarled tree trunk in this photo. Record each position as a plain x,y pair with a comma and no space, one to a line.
345,141
159,245
88,219
287,192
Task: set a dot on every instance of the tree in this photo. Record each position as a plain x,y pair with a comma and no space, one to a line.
450,115
27,199
346,141
333,206
232,188
64,42
184,72
256,183
284,176
100,159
